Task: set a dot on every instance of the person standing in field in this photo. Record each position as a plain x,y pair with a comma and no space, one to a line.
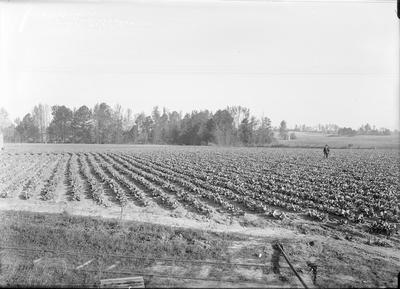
326,151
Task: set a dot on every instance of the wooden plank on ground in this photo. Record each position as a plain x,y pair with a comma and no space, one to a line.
113,266
127,282
37,260
84,264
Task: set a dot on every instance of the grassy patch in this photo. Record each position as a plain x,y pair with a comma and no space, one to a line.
86,238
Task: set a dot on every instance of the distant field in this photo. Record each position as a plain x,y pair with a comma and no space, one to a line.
305,139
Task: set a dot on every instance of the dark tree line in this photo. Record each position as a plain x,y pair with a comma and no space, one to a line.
104,124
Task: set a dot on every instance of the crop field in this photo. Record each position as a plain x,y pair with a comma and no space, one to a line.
352,186
342,212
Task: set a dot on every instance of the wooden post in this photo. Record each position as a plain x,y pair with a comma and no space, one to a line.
287,260
122,210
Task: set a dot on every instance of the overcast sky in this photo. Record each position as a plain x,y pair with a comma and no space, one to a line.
305,62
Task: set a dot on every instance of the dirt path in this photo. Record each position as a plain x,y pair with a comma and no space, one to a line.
145,214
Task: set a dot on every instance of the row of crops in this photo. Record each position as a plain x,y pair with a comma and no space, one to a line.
358,186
